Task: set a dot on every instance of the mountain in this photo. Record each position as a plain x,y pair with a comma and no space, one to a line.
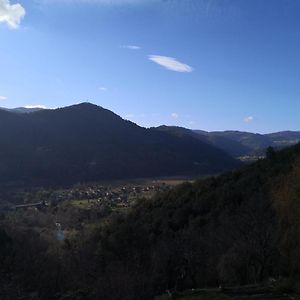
238,143
86,142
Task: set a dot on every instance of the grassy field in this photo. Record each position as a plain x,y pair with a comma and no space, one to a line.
83,204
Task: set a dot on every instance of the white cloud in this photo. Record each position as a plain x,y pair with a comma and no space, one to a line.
11,14
175,115
249,119
171,63
131,47
36,106
3,98
102,88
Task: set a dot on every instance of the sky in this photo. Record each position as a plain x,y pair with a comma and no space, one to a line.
201,64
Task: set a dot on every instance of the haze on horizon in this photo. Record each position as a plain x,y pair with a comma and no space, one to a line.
202,64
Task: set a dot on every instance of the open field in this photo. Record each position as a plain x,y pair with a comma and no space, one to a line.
83,204
170,180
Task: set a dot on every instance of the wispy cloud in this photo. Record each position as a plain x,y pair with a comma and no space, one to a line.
36,106
3,98
249,119
171,63
174,115
131,47
102,88
11,14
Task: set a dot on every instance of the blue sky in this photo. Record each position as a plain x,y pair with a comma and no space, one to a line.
211,65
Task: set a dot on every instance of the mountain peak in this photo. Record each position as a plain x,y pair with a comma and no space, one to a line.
89,110
87,104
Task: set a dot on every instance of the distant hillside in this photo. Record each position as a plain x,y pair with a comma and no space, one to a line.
284,138
238,143
85,142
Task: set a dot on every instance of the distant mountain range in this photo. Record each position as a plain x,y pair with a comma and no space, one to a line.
238,143
86,142
22,110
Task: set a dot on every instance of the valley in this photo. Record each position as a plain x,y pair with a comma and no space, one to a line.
149,150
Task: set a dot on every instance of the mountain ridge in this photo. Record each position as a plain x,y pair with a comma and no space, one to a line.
238,144
85,142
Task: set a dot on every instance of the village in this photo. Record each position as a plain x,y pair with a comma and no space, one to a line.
63,211
94,196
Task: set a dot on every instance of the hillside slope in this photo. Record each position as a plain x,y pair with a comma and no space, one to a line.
239,228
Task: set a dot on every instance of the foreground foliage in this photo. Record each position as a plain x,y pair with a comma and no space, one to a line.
239,228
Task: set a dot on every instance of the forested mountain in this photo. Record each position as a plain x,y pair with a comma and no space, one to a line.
238,228
238,143
85,142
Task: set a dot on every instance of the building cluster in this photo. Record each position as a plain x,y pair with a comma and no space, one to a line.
96,194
